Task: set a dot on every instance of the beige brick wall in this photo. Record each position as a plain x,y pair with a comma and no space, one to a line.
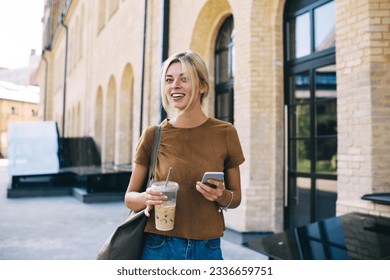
259,111
362,36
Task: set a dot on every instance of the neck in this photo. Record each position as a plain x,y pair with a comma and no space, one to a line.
189,119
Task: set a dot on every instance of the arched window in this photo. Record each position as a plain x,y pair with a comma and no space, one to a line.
224,72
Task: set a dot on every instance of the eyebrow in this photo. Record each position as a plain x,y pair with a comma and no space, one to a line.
170,75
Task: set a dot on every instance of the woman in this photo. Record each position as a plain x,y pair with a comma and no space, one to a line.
191,143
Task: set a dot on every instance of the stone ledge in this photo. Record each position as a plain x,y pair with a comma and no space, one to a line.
97,197
80,194
38,192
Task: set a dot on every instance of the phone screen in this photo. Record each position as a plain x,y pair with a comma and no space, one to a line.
219,176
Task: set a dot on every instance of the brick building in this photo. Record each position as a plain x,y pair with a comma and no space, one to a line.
305,82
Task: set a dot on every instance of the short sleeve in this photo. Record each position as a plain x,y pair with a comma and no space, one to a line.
144,147
235,155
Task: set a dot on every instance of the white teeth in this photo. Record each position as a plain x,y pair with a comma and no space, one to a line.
177,95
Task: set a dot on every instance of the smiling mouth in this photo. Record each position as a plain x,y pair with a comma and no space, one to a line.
176,96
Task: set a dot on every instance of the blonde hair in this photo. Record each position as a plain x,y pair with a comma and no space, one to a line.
194,69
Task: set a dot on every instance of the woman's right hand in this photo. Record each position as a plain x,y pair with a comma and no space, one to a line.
153,197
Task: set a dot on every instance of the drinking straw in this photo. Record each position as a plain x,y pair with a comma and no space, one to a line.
169,175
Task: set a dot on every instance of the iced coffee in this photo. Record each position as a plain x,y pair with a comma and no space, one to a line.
165,212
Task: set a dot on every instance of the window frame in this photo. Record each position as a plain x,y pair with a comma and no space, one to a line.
225,87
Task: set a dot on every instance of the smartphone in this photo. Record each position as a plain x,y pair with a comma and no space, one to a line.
219,176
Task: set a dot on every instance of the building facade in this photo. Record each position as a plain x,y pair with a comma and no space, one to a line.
17,103
305,82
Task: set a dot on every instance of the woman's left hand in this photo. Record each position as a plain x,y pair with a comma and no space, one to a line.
210,193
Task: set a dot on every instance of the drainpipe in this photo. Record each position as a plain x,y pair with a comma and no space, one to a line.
46,49
45,94
143,68
65,72
165,44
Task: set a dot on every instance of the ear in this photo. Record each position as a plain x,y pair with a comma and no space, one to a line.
202,87
201,97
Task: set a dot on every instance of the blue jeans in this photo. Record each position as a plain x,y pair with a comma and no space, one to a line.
161,247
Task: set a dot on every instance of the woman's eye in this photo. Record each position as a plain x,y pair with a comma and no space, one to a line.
184,79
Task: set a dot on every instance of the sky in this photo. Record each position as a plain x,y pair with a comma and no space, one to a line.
20,31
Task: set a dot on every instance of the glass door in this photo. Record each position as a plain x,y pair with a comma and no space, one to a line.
311,112
312,145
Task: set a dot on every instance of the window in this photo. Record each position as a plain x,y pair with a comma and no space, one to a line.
311,106
224,72
14,110
324,27
310,28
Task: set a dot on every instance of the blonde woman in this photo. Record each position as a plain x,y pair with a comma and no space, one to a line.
192,143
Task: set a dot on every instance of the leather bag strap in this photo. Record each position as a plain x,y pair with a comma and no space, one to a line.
153,159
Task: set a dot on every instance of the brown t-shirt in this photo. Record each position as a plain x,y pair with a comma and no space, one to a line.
212,146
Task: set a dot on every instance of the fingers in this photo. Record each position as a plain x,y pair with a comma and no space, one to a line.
210,193
215,185
154,197
147,210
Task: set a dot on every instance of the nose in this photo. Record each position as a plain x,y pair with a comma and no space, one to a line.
176,84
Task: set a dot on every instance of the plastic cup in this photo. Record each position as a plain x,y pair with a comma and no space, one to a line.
165,213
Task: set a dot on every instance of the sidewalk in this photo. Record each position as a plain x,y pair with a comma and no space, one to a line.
63,228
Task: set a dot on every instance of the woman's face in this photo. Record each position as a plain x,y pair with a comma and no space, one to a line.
179,88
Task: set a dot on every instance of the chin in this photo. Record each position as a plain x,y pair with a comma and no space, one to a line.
179,107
